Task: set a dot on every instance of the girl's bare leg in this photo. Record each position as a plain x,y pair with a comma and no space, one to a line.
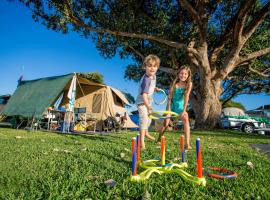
164,127
185,120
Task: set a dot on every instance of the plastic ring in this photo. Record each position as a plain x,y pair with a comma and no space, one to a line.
160,115
163,100
223,173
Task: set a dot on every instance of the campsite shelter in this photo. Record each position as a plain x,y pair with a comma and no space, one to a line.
33,98
3,101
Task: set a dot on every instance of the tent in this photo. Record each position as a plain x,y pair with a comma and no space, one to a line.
33,98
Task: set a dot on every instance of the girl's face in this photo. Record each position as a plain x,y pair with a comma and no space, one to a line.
183,75
151,68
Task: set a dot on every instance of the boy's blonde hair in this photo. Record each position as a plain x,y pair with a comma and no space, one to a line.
151,57
176,80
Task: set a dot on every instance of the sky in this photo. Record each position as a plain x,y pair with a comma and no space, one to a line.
28,48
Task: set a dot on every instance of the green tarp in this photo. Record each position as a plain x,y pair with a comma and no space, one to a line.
32,98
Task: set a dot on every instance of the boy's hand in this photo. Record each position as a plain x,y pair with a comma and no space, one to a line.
149,109
157,89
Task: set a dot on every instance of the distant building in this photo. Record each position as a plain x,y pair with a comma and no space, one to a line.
262,111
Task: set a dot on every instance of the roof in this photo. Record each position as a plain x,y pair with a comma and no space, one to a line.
120,95
264,107
32,97
6,96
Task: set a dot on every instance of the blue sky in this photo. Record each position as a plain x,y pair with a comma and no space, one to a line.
30,49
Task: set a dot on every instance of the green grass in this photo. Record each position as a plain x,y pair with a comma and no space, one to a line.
42,165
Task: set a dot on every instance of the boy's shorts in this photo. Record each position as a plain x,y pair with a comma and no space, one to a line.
144,120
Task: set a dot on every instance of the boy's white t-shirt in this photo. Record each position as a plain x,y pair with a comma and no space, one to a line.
146,85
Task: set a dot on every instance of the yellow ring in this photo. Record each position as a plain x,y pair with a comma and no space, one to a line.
173,114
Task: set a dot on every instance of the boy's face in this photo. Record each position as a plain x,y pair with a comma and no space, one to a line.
151,68
183,75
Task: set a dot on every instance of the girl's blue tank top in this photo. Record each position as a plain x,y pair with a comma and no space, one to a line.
177,102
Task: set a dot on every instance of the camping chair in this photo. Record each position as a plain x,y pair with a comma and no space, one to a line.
91,122
110,124
84,121
124,122
2,118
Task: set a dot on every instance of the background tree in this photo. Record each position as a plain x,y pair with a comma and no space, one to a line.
129,97
234,104
94,77
98,78
221,40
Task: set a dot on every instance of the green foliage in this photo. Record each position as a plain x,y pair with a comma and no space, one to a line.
244,81
129,97
162,19
233,104
44,165
94,76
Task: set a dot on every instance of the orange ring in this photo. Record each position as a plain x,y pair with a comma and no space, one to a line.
229,173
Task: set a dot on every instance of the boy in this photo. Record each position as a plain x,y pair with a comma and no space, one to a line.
147,86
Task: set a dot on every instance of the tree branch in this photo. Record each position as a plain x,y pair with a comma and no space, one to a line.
161,68
167,70
241,19
193,53
135,51
199,18
257,72
254,55
232,95
257,20
222,41
73,19
239,40
235,26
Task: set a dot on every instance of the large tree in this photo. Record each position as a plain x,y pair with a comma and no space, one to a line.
220,40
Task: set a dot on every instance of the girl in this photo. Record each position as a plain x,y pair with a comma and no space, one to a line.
178,101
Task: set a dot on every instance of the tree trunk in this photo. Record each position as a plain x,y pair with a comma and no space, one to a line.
206,105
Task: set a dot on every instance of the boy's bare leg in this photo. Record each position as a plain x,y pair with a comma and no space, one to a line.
142,134
149,136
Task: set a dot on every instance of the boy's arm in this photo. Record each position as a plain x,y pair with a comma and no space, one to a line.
146,102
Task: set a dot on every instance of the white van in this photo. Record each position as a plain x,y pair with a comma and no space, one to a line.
236,118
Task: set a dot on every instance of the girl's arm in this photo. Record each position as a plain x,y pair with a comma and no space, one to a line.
186,97
169,101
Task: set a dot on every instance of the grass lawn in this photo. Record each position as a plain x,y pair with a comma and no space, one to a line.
40,165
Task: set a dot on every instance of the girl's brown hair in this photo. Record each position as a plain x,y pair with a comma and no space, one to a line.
176,80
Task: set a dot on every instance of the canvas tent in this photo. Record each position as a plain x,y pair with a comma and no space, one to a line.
32,98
